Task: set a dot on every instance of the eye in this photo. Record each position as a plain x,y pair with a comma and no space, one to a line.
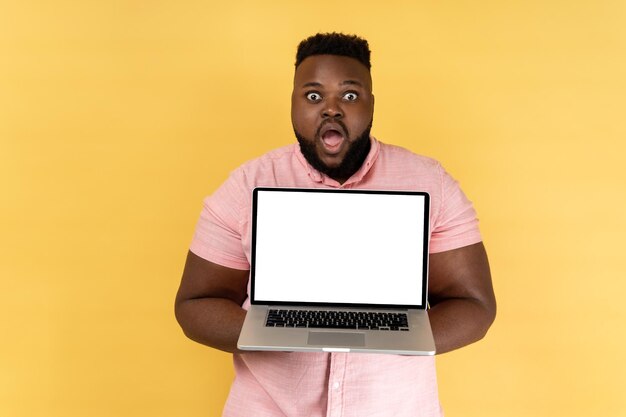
350,96
313,96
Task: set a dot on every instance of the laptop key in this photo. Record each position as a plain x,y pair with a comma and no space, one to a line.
337,320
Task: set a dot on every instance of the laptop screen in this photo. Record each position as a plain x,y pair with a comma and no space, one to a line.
339,247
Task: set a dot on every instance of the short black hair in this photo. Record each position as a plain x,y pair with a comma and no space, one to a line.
334,44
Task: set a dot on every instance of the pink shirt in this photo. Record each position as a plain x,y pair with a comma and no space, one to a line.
331,384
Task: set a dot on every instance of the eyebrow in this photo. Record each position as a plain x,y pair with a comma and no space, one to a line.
346,82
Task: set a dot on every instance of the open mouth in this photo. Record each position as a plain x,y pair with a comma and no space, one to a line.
332,137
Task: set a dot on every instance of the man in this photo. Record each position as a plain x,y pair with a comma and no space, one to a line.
332,109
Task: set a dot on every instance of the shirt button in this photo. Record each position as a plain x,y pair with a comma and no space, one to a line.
336,385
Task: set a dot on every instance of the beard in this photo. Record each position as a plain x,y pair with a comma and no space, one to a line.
355,156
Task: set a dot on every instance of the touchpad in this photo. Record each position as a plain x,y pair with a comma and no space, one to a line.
336,339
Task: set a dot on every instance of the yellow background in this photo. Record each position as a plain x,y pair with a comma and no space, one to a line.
118,117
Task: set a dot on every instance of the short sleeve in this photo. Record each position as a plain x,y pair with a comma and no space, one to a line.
218,235
455,224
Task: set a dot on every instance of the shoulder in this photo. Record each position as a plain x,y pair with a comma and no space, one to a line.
233,196
269,169
398,154
276,157
407,168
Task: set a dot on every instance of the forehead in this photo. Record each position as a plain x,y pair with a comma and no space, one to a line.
331,69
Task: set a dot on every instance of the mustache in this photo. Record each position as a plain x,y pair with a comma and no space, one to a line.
338,122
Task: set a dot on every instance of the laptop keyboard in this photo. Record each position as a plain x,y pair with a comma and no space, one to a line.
314,319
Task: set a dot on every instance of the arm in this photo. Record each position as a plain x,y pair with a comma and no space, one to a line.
463,304
208,303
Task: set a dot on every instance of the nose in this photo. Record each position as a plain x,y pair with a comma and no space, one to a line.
332,109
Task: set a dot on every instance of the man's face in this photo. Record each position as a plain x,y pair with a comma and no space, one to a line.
331,111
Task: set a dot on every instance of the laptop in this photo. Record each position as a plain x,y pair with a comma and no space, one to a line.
339,271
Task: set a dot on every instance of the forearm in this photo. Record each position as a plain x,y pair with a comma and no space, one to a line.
457,322
215,322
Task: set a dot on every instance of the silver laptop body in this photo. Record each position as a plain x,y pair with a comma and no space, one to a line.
339,271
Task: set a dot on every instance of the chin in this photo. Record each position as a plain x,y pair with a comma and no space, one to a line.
331,163
337,166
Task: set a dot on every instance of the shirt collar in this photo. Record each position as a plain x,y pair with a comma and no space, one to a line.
318,177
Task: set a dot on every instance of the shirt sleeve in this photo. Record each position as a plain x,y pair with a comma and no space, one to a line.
218,235
456,224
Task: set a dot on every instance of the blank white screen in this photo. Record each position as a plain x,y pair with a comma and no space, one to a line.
339,247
